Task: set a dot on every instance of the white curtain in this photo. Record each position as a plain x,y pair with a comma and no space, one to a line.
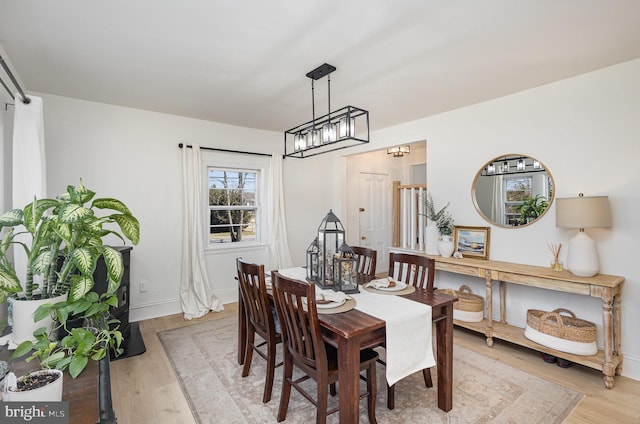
497,205
196,295
278,244
29,171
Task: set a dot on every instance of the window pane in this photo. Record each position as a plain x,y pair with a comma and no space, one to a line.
233,205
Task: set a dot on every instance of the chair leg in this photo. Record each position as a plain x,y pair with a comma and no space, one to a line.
248,355
426,373
371,390
391,396
271,368
332,389
287,372
321,412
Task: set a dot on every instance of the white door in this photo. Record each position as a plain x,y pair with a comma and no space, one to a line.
374,205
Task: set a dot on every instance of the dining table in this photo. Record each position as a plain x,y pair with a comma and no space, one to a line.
354,330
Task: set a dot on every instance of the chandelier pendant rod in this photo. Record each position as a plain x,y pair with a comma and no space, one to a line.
313,106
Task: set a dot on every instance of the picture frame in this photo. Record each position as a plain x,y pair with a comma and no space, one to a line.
472,242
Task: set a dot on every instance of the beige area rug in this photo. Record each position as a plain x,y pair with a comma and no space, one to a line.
204,358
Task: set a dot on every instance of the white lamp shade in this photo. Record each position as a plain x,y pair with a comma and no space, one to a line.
583,212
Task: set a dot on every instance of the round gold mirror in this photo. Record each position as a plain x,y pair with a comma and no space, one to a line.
512,191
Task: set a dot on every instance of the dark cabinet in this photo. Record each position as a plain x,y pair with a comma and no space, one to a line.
121,312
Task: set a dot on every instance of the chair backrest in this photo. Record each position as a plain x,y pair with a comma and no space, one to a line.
415,270
253,290
367,259
298,317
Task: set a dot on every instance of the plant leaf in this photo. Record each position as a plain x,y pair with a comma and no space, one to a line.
129,226
114,263
85,259
108,203
73,213
22,349
77,365
11,218
80,285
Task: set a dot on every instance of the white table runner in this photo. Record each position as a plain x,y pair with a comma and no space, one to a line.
409,343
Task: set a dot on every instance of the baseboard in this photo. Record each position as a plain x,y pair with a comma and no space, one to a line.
631,367
172,306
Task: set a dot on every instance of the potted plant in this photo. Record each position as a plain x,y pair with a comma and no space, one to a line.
65,240
433,230
531,208
39,386
446,245
98,335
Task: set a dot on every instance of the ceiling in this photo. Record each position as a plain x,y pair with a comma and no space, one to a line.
244,62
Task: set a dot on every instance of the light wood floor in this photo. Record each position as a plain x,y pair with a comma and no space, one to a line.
145,390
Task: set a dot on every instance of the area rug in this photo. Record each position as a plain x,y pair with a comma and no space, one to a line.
204,358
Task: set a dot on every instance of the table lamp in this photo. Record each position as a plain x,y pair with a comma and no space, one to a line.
583,212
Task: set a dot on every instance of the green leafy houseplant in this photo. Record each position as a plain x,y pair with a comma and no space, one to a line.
65,245
445,224
430,209
531,208
442,218
99,335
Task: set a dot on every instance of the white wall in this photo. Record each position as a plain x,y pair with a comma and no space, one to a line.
133,155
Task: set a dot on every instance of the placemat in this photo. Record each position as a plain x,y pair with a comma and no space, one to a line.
406,290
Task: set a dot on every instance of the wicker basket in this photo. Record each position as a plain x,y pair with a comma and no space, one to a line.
469,307
561,332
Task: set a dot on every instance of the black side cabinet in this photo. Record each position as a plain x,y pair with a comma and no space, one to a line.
121,312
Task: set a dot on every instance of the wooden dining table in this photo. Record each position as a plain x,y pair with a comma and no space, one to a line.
354,330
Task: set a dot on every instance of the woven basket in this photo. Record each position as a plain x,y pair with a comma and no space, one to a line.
562,326
467,301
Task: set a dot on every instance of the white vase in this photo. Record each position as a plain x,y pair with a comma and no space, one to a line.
446,246
431,239
22,312
52,392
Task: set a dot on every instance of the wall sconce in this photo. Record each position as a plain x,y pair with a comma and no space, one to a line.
336,130
583,212
399,151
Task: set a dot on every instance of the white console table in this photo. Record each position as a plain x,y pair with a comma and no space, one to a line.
605,287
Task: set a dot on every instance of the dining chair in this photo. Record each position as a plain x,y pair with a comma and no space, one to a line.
367,259
305,348
419,272
260,320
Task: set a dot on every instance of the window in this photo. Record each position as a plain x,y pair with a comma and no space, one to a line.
234,205
516,189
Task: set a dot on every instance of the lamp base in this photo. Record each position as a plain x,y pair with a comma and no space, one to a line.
582,259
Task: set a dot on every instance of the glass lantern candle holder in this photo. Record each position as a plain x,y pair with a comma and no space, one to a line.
313,263
330,238
345,265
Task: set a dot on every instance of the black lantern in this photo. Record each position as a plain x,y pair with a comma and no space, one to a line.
330,238
313,263
345,266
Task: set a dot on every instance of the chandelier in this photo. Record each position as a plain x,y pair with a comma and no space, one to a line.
342,128
399,151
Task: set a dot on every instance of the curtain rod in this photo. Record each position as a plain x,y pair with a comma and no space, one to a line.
26,100
181,145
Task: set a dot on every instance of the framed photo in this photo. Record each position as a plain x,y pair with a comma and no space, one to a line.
472,242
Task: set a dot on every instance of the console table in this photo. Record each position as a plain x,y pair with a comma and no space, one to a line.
605,287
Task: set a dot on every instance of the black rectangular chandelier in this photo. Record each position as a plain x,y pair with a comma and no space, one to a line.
336,130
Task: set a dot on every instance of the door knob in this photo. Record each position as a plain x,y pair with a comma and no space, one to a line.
363,238
361,209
